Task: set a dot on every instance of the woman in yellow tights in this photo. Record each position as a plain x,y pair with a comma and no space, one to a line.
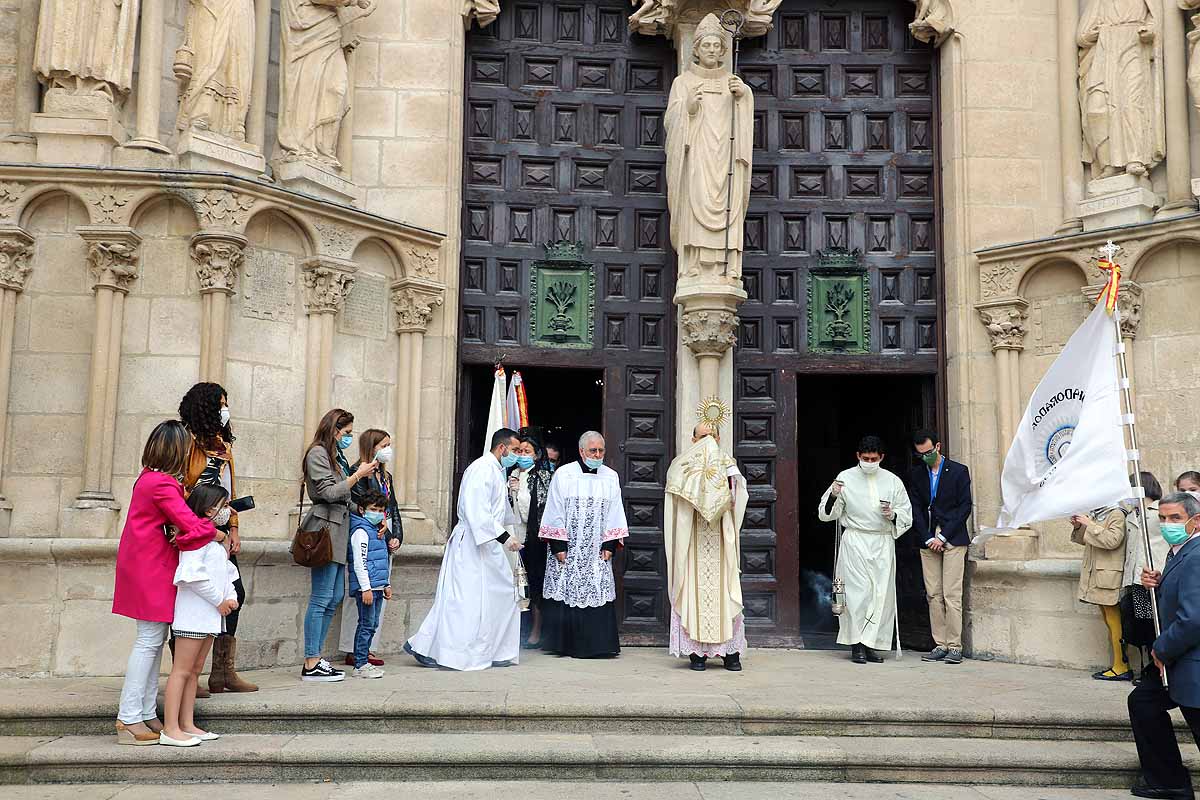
1102,534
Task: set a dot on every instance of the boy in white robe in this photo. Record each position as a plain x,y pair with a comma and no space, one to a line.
873,507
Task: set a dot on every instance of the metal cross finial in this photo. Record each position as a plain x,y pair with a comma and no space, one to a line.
1110,250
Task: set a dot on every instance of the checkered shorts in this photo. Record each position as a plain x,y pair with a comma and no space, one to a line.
191,635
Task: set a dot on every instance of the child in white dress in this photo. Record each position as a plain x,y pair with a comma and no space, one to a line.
205,596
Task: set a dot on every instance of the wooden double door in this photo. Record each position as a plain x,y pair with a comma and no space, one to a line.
563,118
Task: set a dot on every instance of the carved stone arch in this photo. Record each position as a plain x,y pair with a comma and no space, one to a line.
147,199
33,195
1035,265
1149,247
397,271
304,229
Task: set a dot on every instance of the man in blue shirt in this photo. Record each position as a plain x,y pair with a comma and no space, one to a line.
940,492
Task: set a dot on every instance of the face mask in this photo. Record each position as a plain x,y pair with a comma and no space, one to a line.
373,517
869,467
224,416
508,460
929,458
384,455
345,442
1173,532
525,462
594,463
221,517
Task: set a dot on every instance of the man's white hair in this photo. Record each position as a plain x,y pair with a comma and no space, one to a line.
587,437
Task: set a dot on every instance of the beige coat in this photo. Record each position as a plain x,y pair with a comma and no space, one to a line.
1103,558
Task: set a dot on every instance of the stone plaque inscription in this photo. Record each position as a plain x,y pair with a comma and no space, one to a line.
365,310
269,286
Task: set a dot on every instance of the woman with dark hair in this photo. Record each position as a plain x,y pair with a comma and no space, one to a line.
373,445
205,412
145,579
528,487
1188,482
328,479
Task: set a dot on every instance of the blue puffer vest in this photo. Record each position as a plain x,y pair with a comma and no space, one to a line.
379,560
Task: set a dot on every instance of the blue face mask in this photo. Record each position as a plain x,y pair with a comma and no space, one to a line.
525,462
1173,532
373,517
508,460
345,442
594,463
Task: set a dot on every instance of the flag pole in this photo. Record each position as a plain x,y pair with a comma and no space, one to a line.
1109,296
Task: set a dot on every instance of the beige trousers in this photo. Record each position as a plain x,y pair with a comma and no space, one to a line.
943,573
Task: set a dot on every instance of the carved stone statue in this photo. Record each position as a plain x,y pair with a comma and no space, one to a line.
214,66
700,112
1120,87
85,47
1193,39
483,12
933,21
314,83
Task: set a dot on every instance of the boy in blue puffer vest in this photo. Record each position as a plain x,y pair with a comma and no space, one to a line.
370,573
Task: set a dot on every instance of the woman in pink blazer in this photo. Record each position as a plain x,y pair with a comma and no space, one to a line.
146,563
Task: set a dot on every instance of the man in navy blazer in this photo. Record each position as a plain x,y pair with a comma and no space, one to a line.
940,492
1178,649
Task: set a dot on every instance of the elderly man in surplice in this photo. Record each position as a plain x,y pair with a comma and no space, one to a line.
873,508
705,503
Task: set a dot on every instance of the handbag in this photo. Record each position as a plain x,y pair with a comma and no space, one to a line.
311,549
1137,617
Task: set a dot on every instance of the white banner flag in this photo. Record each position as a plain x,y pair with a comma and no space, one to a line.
496,409
1068,456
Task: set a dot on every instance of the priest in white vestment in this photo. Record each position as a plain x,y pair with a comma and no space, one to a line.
705,503
475,622
584,523
873,507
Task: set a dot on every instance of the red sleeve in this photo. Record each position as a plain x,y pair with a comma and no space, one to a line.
194,532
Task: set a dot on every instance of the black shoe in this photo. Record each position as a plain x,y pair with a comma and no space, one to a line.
508,663
733,662
698,662
858,654
424,661
1108,675
1142,789
872,655
322,672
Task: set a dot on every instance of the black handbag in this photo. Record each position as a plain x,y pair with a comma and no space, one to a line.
1137,616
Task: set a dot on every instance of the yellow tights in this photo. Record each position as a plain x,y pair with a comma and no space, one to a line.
1112,620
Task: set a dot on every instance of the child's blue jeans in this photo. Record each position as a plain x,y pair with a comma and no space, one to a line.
368,621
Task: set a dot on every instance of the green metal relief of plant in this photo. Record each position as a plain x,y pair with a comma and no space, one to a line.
562,294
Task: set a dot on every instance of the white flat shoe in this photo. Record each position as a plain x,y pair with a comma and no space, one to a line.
167,741
207,736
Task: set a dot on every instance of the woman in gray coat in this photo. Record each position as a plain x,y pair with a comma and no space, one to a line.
328,480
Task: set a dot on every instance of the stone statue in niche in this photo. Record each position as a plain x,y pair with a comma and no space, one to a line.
214,66
314,83
1120,87
1193,39
700,111
85,47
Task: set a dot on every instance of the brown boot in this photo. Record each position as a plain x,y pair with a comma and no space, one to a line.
233,681
216,676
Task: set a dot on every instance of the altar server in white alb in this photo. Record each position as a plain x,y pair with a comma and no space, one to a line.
584,523
705,504
873,508
475,622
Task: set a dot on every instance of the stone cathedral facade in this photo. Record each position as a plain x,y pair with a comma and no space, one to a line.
369,203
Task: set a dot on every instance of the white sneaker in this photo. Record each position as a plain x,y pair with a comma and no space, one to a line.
369,671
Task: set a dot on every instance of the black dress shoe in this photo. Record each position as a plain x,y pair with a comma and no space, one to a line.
1143,789
424,661
858,654
873,656
507,663
733,662
697,662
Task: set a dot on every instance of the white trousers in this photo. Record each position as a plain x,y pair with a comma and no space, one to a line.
139,694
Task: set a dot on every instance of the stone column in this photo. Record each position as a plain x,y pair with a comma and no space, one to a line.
327,281
1175,90
16,251
27,86
413,301
217,256
1070,128
256,126
149,91
113,263
707,332
1005,322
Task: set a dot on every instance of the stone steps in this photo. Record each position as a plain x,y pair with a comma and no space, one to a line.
372,756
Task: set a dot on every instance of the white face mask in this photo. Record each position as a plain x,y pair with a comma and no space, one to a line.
869,467
224,416
222,517
384,455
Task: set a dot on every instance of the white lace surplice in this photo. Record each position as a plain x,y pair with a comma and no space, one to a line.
584,510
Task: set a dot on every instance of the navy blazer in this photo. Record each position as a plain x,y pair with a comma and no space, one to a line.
1179,613
951,508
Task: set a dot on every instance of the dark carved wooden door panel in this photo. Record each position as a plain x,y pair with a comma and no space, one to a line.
565,141
843,159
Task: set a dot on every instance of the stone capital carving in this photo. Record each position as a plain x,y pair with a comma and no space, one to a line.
336,240
221,208
327,281
934,21
1129,304
413,304
1005,322
16,251
999,279
217,257
112,255
709,332
108,204
11,193
422,261
482,12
